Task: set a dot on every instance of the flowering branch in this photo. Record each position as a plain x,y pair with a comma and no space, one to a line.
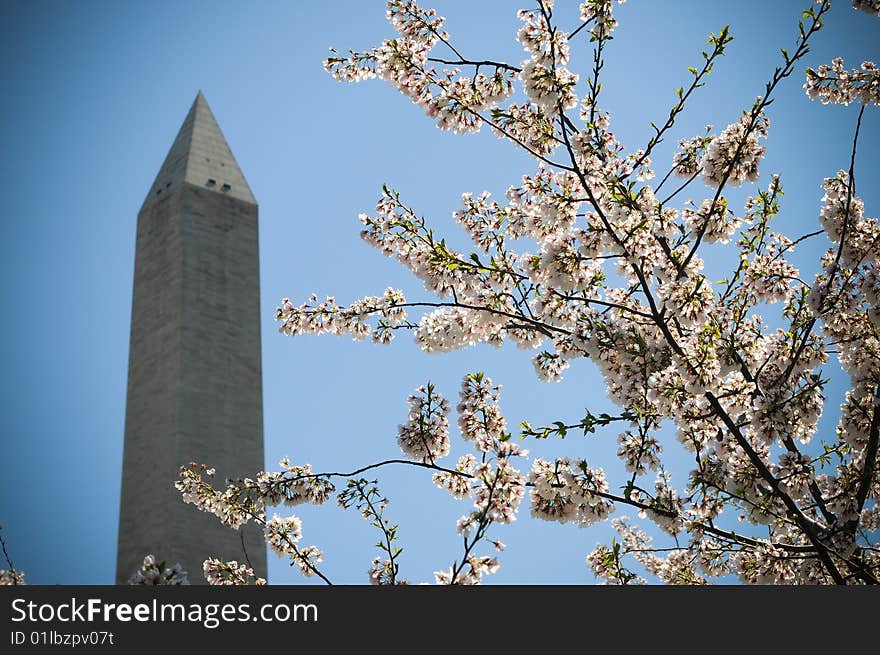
364,496
616,275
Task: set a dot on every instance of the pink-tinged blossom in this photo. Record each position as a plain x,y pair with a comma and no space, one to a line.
837,86
545,79
282,535
566,494
479,416
528,125
327,317
601,13
676,567
476,568
549,366
544,45
549,88
425,435
292,486
152,572
454,101
218,572
459,486
229,506
639,452
686,161
381,573
840,208
559,265
604,562
734,154
498,490
770,278
11,577
713,219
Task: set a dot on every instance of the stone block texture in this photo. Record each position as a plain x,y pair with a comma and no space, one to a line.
195,375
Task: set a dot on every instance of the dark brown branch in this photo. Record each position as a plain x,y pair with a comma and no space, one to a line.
468,62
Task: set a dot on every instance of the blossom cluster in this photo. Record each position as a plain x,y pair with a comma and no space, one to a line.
497,494
526,125
479,416
601,14
477,567
713,219
546,81
425,435
282,535
11,577
688,160
229,506
733,155
453,100
835,85
457,483
496,486
845,298
152,572
326,317
568,494
218,572
381,572
247,499
679,566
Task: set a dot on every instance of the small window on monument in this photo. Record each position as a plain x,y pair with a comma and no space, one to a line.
168,185
158,192
211,183
225,187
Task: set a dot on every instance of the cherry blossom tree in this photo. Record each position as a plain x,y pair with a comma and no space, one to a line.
589,256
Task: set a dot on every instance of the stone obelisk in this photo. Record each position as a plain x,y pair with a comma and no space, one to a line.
194,374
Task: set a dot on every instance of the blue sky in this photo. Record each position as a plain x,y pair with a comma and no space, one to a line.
94,93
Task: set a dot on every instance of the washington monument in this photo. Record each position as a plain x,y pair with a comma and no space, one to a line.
194,374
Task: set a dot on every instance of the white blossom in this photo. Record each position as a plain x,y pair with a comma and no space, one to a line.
152,572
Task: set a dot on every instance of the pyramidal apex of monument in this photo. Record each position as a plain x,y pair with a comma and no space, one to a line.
200,156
